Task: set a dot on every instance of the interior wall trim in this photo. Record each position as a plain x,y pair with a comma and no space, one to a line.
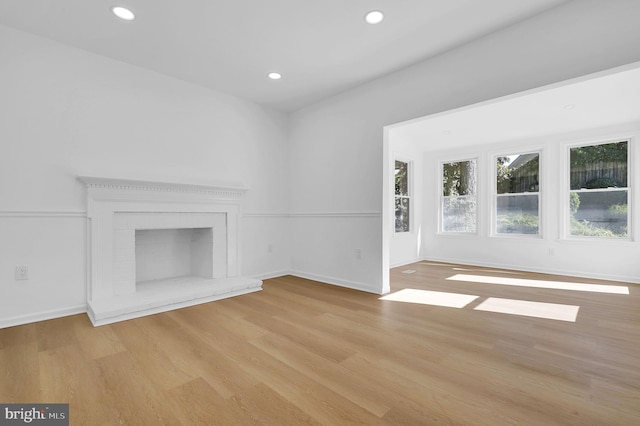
83,214
265,215
553,271
336,214
360,286
363,214
42,316
43,213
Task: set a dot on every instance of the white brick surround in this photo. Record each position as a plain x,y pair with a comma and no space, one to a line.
117,208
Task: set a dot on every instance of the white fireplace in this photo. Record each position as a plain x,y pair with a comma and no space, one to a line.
171,253
157,246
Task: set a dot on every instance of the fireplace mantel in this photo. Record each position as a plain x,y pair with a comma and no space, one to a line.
117,208
110,187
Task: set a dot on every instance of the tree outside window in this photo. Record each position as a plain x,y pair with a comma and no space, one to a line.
458,207
402,197
598,197
517,194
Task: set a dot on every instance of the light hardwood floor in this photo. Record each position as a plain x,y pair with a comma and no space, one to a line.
302,352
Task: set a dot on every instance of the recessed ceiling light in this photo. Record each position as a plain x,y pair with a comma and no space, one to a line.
374,17
123,13
274,75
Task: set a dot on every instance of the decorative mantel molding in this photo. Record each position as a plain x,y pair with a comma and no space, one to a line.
219,192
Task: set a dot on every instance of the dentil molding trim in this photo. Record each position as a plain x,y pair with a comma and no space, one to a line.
215,191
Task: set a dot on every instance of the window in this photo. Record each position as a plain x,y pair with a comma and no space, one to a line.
598,196
458,207
517,194
403,197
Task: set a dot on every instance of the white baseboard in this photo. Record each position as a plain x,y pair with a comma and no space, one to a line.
42,316
404,263
527,268
320,278
269,275
336,281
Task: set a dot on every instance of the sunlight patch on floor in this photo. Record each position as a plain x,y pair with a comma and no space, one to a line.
557,285
526,308
488,271
435,298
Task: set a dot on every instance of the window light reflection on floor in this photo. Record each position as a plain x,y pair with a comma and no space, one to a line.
526,308
553,311
488,271
557,285
436,298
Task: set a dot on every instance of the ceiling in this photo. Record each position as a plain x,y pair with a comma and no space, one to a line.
320,47
592,102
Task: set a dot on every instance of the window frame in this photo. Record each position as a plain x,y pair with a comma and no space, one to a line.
494,193
409,195
441,196
566,193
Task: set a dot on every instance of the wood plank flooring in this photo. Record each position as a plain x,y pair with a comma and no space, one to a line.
302,352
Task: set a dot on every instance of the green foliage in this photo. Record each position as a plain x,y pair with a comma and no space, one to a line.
603,182
402,192
402,178
459,215
574,202
517,223
614,226
619,209
459,178
519,175
599,166
402,214
503,175
608,152
588,229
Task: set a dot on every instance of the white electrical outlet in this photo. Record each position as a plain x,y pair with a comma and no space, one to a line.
22,272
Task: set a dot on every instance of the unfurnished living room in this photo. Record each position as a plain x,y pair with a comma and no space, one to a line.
319,212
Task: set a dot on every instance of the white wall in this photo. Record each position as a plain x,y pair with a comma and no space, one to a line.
553,251
65,112
337,146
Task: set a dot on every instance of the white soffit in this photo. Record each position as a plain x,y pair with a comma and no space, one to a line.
587,103
321,47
